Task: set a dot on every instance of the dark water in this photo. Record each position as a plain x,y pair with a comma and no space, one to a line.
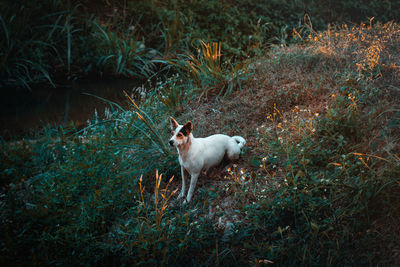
27,111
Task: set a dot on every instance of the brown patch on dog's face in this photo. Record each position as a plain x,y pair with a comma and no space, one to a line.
187,128
180,136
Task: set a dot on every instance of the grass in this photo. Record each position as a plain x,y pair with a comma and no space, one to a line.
53,41
209,74
317,183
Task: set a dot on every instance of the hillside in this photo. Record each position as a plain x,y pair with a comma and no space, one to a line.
317,183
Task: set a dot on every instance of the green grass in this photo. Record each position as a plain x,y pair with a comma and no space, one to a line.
318,183
54,41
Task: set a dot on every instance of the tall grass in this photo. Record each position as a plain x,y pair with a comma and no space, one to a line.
319,186
124,54
64,43
47,40
88,198
154,134
209,73
19,65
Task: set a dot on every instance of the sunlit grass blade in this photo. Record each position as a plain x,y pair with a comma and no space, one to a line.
149,123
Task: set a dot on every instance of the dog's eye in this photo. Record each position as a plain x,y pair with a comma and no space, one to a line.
180,135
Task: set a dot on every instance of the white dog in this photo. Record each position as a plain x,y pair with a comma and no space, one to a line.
197,155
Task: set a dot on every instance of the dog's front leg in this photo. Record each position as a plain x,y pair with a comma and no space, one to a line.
193,181
183,183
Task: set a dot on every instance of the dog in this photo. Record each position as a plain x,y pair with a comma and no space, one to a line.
197,155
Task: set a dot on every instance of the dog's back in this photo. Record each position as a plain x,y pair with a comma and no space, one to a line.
213,148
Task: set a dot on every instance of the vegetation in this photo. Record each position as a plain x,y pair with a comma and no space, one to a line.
317,183
52,41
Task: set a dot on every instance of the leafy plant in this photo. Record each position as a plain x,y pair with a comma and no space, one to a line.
208,72
125,55
173,93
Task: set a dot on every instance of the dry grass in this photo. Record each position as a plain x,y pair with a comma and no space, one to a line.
304,77
292,87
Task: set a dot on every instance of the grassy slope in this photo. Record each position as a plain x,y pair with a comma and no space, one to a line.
299,96
318,182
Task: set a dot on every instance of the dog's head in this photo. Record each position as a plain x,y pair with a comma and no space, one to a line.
180,133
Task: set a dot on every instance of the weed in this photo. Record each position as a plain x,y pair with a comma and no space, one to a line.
173,93
208,72
122,53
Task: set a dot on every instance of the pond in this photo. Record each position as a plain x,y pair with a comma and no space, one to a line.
31,110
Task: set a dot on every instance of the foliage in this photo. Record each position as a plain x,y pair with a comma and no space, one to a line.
321,183
329,184
48,41
330,195
22,48
122,54
67,190
209,74
174,92
154,233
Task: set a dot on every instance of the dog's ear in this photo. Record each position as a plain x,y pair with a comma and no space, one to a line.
174,123
187,128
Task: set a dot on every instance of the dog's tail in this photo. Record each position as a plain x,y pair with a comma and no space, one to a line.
239,140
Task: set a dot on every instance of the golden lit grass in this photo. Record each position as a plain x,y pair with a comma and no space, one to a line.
209,74
294,86
306,75
211,55
371,48
161,198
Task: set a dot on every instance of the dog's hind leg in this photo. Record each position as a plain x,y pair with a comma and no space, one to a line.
183,183
193,181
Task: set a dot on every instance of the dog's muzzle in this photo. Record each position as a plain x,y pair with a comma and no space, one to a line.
171,142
